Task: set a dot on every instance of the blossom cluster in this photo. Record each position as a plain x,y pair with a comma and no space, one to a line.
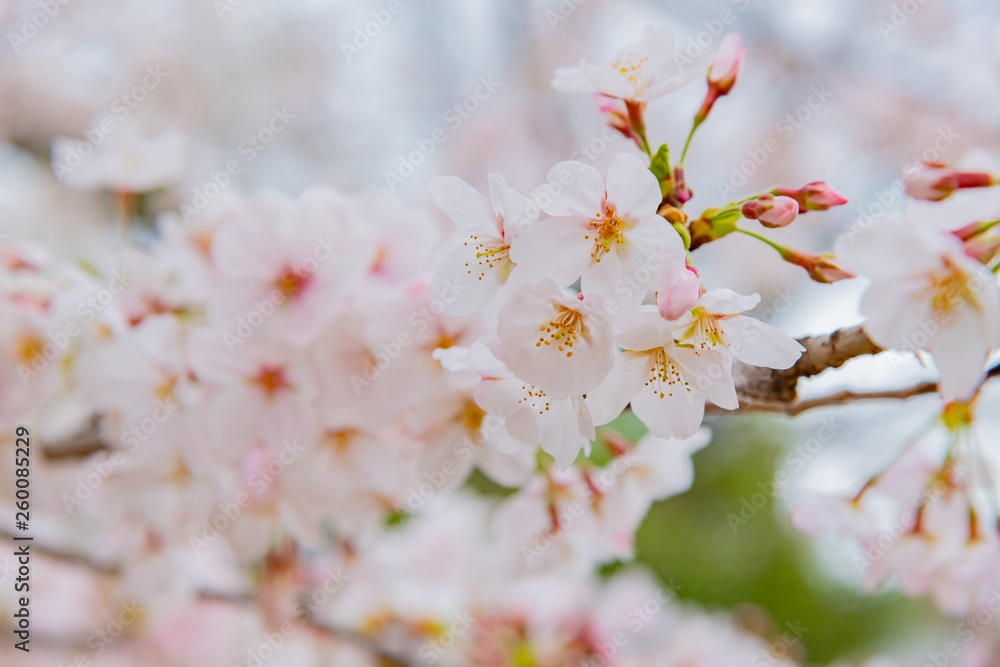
346,431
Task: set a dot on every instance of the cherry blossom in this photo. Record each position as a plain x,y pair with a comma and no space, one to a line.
610,235
554,340
715,323
666,383
926,294
643,71
482,264
125,161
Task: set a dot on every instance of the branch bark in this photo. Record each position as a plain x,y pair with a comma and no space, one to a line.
343,634
821,353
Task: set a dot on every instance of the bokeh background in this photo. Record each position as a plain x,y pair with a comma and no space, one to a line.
849,91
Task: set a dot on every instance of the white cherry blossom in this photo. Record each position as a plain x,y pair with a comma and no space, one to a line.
609,233
481,265
554,340
642,71
926,294
666,383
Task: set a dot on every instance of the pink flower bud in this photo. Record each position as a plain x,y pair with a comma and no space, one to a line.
982,248
626,117
615,112
727,65
934,181
824,268
722,73
815,196
781,214
930,181
772,211
680,297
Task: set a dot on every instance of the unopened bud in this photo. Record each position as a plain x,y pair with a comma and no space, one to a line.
823,268
772,211
722,74
676,300
934,181
815,196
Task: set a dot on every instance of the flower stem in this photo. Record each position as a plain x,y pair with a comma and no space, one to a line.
687,144
781,249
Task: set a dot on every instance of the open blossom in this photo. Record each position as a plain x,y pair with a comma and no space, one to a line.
286,266
482,264
560,426
666,383
926,294
125,161
553,340
642,71
715,323
608,234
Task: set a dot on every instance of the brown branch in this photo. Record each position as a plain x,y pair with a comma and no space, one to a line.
104,569
73,559
795,407
821,353
342,634
80,445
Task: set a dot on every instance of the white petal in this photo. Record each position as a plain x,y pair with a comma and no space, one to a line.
464,283
466,207
572,188
759,344
616,391
554,248
960,354
677,413
632,188
572,79
727,302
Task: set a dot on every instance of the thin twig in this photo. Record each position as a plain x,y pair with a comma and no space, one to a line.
105,569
